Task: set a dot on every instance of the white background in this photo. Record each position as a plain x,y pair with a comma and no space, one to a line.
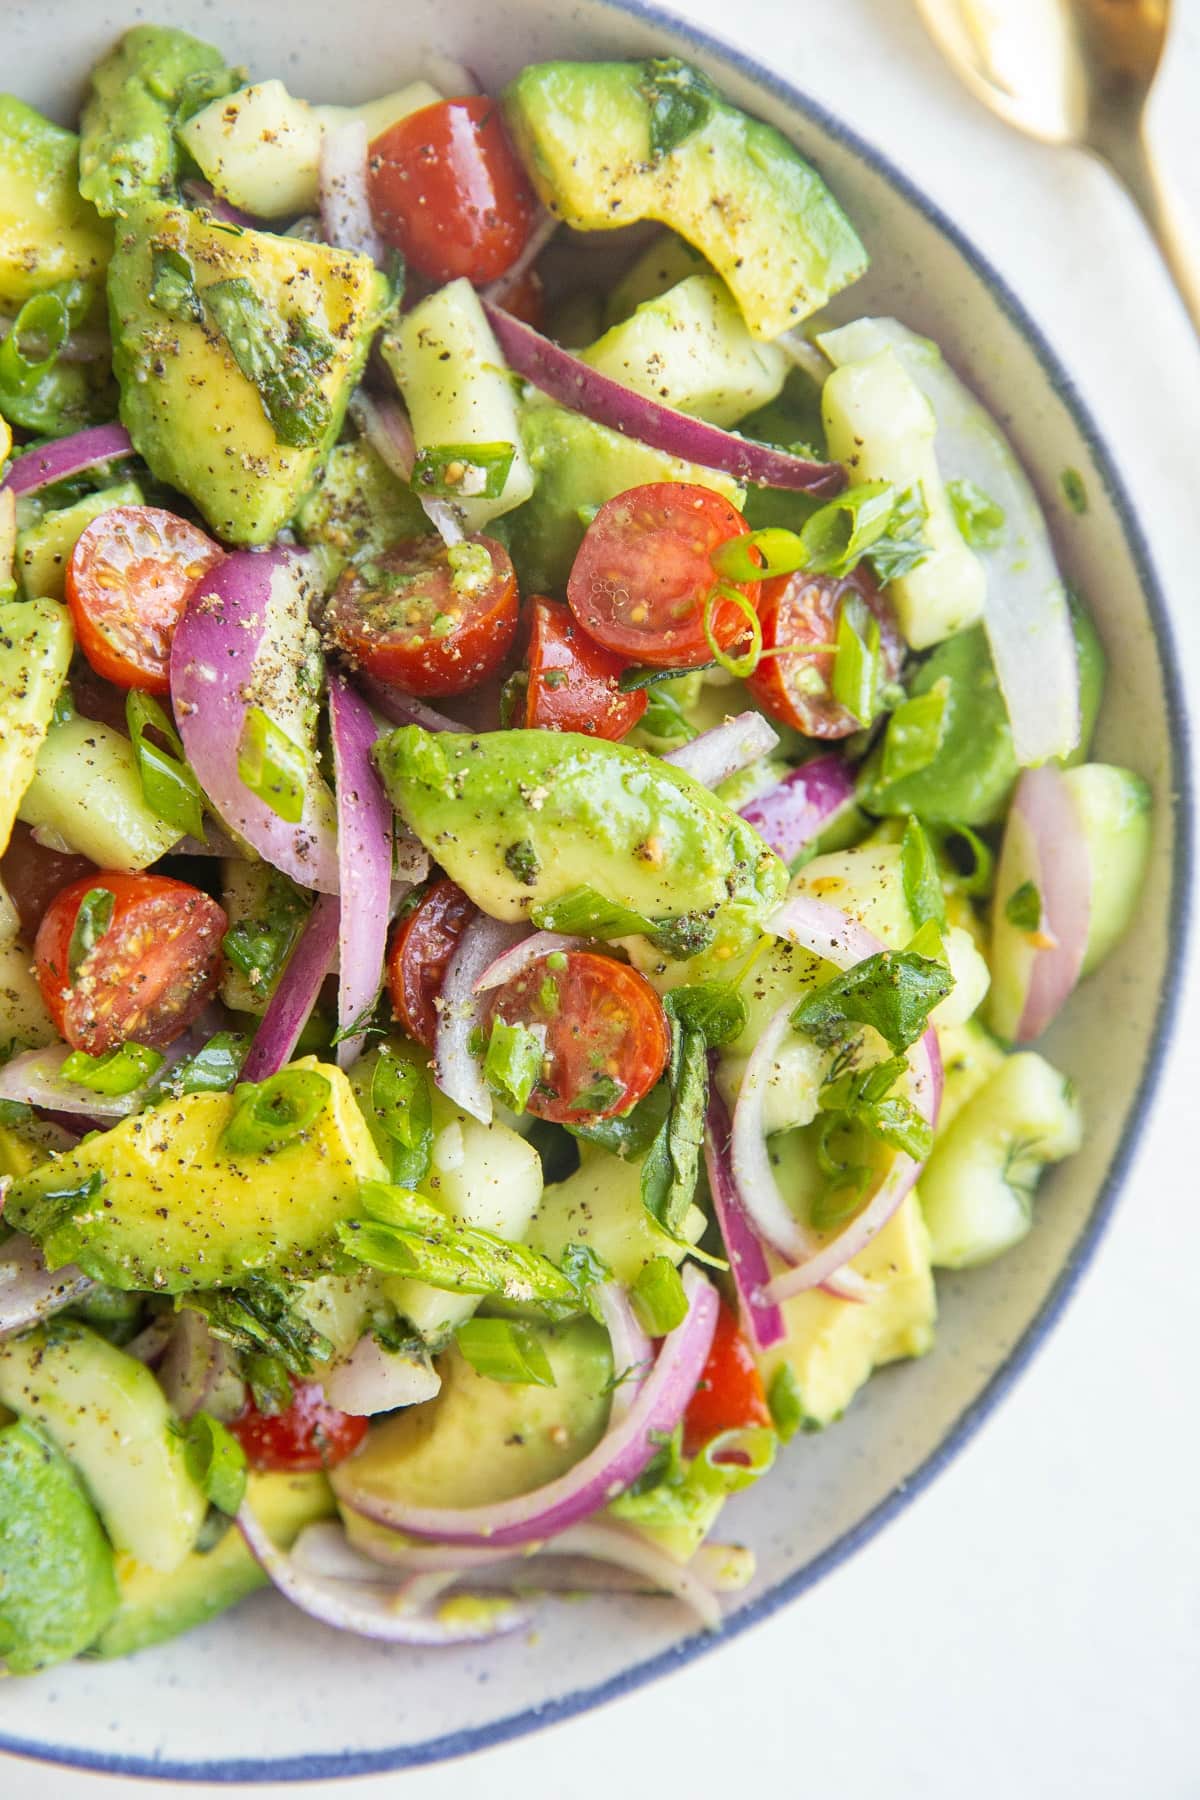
1030,1628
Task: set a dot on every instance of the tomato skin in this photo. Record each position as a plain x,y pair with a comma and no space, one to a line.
390,629
447,190
643,573
729,1395
526,299
147,977
573,680
310,1435
33,875
604,1022
128,580
425,940
798,609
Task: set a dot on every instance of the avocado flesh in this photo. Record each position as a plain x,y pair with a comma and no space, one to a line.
480,1442
565,811
172,1210
152,1607
200,423
36,641
48,233
734,188
56,1568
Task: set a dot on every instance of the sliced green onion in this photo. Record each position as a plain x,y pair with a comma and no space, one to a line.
269,1114
780,552
976,878
113,1072
273,766
169,786
658,1298
921,876
388,1203
463,471
504,1351
840,534
215,1461
738,666
735,1459
915,731
785,1404
857,665
35,342
91,922
632,681
514,1059
214,1069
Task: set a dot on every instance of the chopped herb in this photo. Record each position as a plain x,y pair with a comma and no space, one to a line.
631,681
901,549
173,286
169,785
671,1166
840,534
215,1461
513,1061
629,1134
658,1298
915,732
283,359
864,1097
521,861
857,666
463,471
893,991
91,922
504,1351
272,765
680,100
585,913
259,946
921,876
1023,908
1074,491
979,519
258,1320
713,1008
664,718
602,1093
402,1108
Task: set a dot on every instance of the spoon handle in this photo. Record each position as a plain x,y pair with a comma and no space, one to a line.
1134,162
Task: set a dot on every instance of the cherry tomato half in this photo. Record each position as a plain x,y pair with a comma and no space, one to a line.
33,875
148,973
729,1395
311,1434
128,580
425,940
803,610
447,189
411,618
526,299
606,1034
573,681
643,575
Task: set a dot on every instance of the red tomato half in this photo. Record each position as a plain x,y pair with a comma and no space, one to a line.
606,1034
311,1434
33,875
573,681
448,190
401,616
146,977
643,574
803,611
729,1395
526,299
425,940
128,580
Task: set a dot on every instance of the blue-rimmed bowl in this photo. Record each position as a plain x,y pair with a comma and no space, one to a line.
265,1694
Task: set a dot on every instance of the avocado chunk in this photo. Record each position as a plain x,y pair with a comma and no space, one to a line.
481,1441
521,819
36,640
600,1206
48,233
158,1202
611,143
357,505
152,1607
109,1417
56,1568
579,465
154,80
44,547
833,1345
236,352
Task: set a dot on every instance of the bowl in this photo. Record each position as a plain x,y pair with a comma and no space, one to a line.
258,1668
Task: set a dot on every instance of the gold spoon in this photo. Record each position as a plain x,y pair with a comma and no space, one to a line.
1075,72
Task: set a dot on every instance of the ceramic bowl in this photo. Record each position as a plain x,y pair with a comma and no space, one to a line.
273,1679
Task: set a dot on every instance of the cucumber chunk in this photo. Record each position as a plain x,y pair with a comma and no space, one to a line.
36,640
44,548
87,790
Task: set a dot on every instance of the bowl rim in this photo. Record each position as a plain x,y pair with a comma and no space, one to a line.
331,1765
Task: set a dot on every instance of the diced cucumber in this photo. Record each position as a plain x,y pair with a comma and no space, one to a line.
600,1206
44,549
261,147
1114,807
668,260
978,1185
689,348
110,1418
970,1056
879,424
86,788
36,641
456,386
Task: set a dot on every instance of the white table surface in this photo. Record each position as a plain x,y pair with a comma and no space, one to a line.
1032,1626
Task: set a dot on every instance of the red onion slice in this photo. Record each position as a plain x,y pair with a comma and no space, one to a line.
198,1371
769,1214
761,1320
405,709
374,1380
1063,878
296,992
67,456
203,194
222,644
617,1459
632,1351
364,861
384,423
373,1609
607,1542
455,1069
789,815
538,943
445,520
346,218
33,1078
574,384
29,1292
715,755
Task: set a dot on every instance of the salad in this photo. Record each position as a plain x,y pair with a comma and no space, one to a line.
544,802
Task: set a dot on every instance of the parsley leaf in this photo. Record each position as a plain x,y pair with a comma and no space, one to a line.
894,991
680,99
